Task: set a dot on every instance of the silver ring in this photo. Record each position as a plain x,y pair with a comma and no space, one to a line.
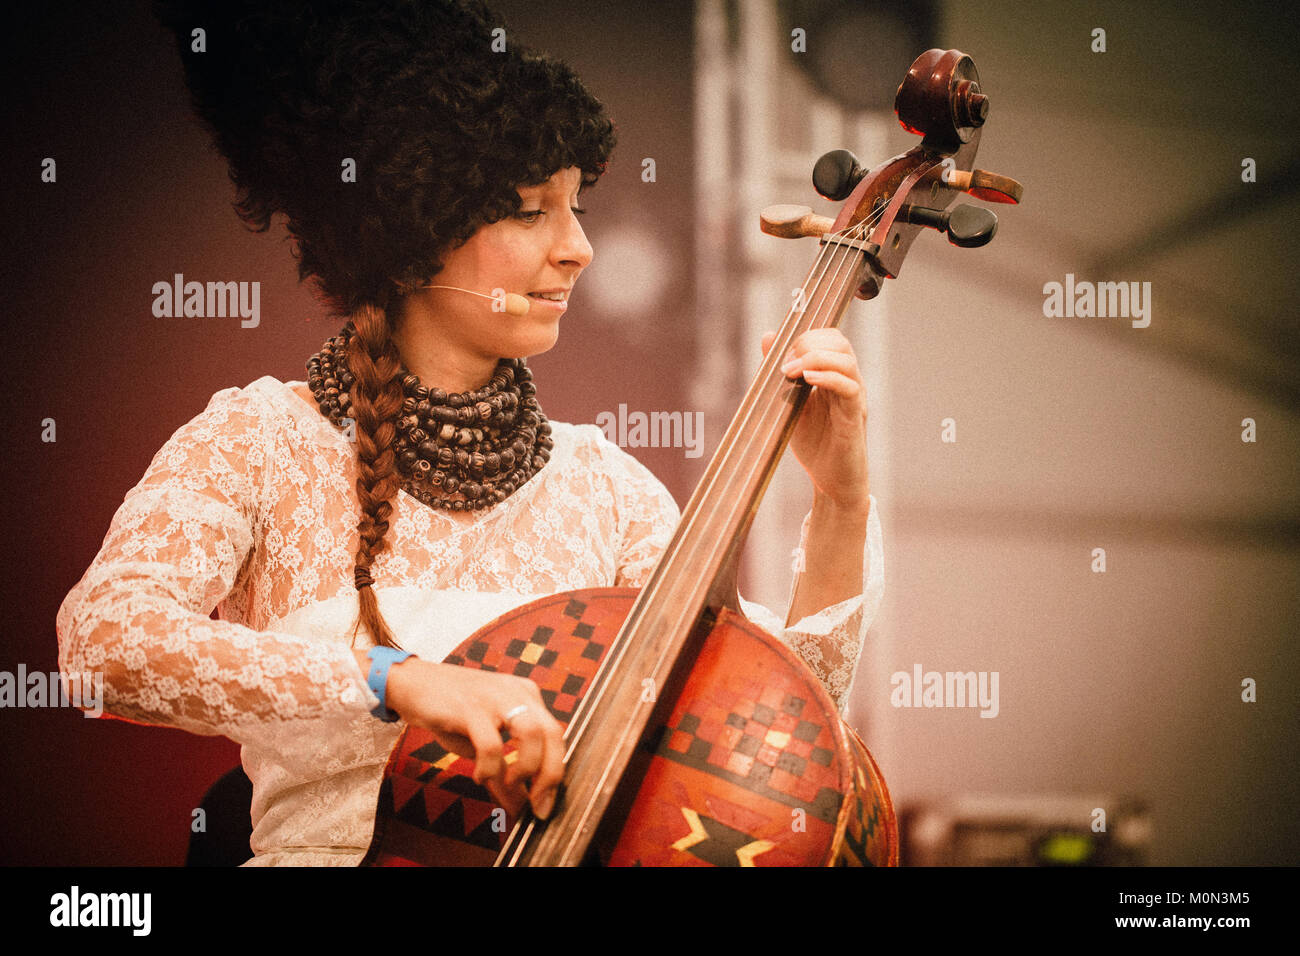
515,712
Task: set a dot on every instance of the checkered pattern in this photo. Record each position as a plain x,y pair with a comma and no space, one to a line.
562,665
764,745
558,643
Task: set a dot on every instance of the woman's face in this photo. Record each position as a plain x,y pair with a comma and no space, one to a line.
542,249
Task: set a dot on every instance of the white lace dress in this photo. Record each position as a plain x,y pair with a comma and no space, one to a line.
251,508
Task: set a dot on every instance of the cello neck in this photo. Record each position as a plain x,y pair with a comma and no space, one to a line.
693,581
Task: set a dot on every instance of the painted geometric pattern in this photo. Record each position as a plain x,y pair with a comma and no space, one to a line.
764,745
747,770
872,833
428,791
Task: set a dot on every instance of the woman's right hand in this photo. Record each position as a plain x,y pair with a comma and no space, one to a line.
465,709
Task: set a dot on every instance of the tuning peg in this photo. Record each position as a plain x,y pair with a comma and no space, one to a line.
793,222
982,184
966,226
836,174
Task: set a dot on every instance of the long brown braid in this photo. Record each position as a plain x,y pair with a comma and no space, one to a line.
377,397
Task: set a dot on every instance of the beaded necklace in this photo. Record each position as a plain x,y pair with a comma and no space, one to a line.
482,444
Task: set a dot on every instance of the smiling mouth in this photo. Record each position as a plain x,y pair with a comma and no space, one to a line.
559,299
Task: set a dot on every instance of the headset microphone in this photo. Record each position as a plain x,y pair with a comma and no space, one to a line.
515,304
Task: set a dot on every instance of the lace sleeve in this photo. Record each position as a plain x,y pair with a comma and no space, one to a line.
830,641
140,614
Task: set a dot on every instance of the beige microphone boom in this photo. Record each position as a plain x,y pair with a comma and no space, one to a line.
515,304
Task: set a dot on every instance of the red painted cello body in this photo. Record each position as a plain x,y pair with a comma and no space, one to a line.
693,737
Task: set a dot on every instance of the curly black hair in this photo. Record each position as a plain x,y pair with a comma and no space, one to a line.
442,128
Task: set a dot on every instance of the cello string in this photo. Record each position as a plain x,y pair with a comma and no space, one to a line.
519,838
575,732
844,254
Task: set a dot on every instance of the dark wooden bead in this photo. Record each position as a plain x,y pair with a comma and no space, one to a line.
446,456
420,393
462,459
450,484
417,435
428,450
407,458
422,467
409,382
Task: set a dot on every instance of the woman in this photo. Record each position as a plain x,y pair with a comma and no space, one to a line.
411,490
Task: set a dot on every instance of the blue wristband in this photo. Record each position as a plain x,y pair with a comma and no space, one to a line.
382,658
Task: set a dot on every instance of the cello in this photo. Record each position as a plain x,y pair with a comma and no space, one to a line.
693,737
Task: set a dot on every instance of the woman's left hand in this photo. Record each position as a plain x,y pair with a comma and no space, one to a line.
830,438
